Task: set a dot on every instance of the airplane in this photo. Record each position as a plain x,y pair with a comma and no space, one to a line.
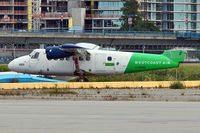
84,59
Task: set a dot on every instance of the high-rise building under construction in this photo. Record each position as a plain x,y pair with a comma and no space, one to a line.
15,15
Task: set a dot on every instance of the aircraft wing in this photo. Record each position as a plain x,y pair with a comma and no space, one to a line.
70,47
65,50
78,50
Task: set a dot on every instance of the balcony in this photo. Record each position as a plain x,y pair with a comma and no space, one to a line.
20,12
89,16
8,21
20,3
21,20
13,21
52,16
45,4
5,3
6,29
5,12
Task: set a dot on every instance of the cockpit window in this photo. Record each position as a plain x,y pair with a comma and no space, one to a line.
35,56
32,53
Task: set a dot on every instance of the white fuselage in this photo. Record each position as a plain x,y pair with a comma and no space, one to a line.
100,63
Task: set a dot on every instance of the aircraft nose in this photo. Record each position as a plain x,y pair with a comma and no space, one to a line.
12,65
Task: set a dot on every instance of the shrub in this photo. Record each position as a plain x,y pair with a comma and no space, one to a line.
176,85
4,68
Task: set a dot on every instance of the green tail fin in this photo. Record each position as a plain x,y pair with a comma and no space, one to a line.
175,55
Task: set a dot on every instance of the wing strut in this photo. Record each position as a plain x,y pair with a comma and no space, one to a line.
76,63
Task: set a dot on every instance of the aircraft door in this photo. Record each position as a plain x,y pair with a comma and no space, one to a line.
33,62
100,62
110,64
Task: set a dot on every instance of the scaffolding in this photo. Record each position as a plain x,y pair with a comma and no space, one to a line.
145,9
13,14
36,10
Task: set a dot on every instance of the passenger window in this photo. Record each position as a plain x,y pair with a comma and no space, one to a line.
80,58
87,58
109,58
35,56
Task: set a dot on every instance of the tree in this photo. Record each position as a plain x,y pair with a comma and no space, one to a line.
130,10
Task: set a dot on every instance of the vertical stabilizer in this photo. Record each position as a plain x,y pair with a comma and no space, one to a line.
175,55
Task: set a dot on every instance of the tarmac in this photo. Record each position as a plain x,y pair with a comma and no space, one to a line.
50,116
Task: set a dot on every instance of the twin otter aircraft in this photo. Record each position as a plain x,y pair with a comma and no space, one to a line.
85,58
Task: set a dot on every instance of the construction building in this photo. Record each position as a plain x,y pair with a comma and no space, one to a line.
15,15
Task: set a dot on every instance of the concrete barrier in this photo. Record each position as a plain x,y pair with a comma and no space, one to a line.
83,85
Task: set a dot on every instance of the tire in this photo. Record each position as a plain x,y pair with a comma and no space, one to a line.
86,80
82,80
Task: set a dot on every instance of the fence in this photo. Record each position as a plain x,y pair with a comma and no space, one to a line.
178,35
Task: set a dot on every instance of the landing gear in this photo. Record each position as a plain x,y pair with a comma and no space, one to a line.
82,79
78,71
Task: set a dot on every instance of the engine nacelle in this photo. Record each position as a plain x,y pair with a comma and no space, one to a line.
56,53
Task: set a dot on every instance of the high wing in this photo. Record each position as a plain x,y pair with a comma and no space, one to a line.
75,49
67,50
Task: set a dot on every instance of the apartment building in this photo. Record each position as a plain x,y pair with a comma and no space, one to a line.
14,14
173,15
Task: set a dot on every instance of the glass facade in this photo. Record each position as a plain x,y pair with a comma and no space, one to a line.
109,5
106,15
101,12
106,23
173,15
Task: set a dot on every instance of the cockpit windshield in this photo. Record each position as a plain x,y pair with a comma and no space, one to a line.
32,53
35,56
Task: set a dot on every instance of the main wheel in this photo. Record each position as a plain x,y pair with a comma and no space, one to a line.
85,79
82,80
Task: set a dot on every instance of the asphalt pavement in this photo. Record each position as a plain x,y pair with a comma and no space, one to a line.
51,116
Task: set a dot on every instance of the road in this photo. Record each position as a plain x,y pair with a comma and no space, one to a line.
49,116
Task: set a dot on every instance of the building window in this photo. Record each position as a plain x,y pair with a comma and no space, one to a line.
170,25
193,16
193,25
149,14
112,23
193,7
98,23
108,5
